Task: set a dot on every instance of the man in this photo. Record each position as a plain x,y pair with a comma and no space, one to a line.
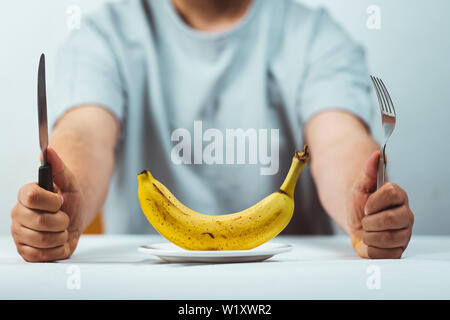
138,70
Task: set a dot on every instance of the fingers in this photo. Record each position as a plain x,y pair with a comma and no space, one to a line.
389,195
34,197
40,221
32,254
387,239
390,219
370,252
40,228
62,176
40,236
38,239
358,244
367,181
386,230
377,253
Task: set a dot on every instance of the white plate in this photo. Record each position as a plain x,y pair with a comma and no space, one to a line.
172,253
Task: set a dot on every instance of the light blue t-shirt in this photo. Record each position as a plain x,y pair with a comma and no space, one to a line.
275,69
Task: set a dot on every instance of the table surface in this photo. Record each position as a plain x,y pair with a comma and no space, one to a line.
110,267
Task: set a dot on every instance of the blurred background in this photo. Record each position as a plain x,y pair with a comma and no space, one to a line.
409,49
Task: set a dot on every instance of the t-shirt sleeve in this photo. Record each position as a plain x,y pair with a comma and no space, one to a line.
87,72
336,75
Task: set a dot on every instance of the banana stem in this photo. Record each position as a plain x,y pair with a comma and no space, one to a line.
299,161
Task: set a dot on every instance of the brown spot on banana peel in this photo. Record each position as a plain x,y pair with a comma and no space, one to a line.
272,218
157,189
168,201
160,210
210,234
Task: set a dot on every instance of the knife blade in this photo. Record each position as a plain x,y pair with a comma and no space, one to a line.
45,170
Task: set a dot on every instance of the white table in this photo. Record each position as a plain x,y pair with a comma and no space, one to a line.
317,268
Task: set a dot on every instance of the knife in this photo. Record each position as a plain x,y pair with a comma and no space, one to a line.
45,170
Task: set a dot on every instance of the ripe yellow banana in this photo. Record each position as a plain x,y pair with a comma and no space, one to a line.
242,230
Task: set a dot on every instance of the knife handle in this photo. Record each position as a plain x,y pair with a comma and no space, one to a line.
46,178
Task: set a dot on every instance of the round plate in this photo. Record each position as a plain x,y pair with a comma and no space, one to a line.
172,253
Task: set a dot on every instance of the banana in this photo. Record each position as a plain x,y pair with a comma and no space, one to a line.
242,230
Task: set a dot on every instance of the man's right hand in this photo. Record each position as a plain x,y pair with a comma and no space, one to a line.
46,226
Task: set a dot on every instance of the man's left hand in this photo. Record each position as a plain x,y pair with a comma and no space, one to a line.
380,220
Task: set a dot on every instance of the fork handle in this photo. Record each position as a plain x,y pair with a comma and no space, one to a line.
381,174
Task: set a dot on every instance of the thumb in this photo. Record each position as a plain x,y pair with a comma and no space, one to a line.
62,176
358,244
367,181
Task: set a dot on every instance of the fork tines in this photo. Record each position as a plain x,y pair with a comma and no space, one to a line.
384,99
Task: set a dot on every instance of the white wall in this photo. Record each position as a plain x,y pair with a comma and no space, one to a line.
410,52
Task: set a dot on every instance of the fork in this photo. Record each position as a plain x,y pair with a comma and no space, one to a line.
388,117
